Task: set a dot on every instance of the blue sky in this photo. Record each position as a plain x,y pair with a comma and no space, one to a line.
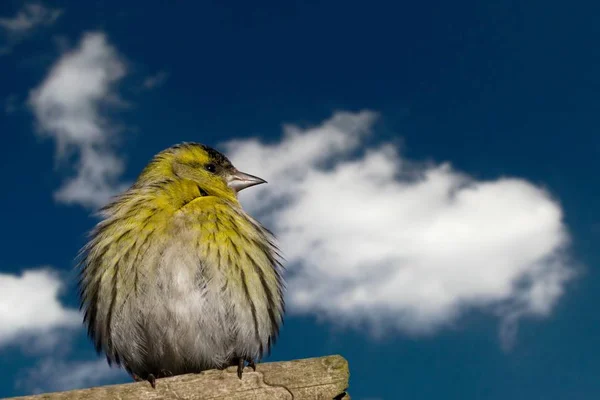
432,178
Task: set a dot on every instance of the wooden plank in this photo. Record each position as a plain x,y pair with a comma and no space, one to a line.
309,378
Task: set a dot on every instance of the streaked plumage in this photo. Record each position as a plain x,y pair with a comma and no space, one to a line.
177,278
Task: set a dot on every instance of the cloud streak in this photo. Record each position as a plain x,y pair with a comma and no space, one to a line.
59,375
31,17
376,240
155,80
69,106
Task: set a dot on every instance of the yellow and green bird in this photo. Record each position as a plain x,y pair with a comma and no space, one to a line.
177,277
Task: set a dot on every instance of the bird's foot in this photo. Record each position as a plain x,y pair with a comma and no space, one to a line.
241,362
240,368
152,379
164,373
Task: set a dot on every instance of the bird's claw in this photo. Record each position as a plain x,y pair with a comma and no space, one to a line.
241,363
152,379
240,368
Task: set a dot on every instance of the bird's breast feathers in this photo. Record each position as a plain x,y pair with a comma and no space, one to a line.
211,284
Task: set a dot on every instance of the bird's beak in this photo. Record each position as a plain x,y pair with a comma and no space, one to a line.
240,180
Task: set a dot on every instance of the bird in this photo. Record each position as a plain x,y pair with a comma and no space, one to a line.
176,277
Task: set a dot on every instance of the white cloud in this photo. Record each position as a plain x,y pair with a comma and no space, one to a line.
28,19
59,375
372,238
33,317
155,80
68,107
30,308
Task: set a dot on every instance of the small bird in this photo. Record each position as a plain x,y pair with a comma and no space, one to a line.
177,278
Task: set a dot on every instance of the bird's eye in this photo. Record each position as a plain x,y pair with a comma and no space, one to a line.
210,167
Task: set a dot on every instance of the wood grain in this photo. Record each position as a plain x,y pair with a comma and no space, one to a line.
310,378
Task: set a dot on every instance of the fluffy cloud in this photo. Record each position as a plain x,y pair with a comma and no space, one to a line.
67,106
29,18
30,308
374,239
33,317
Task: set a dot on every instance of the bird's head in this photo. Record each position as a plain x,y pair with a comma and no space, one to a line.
209,169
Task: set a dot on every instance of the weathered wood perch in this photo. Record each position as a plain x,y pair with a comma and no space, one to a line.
309,378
